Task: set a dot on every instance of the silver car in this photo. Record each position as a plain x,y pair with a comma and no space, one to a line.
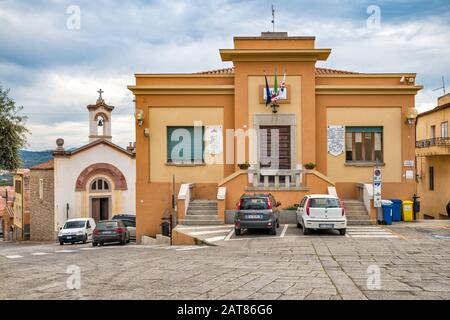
130,222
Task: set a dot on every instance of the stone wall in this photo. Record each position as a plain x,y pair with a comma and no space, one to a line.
42,213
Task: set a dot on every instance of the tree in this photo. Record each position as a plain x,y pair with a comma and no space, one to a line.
13,133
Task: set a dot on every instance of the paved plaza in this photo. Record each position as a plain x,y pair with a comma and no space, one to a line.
404,261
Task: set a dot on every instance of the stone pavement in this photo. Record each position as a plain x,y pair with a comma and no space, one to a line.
414,265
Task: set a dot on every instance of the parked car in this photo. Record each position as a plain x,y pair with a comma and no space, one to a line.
130,222
321,212
76,230
257,212
110,231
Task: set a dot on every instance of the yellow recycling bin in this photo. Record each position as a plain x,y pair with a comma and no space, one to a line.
408,210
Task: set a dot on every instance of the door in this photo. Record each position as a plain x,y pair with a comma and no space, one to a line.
268,134
100,209
104,209
95,207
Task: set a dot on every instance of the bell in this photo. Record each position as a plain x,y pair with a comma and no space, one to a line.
100,123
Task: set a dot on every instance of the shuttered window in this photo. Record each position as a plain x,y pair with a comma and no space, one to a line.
185,144
364,144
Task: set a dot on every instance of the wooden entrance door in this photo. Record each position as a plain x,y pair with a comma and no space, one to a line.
100,209
265,145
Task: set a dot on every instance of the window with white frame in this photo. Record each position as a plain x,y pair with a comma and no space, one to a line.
41,189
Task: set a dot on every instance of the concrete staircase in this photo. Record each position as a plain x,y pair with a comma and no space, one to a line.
201,213
356,213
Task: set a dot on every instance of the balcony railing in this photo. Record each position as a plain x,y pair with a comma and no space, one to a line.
277,178
427,143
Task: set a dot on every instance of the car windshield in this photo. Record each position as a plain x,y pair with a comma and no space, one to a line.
253,203
324,203
129,223
74,224
107,225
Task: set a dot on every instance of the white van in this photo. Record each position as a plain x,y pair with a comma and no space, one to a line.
76,230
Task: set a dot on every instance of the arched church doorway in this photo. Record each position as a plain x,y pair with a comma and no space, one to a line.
100,198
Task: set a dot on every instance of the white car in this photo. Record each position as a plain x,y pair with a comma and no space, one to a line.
76,230
321,211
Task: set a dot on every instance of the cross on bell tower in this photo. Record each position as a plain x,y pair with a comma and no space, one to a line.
100,119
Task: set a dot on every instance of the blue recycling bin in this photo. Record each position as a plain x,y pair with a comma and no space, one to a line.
387,213
397,210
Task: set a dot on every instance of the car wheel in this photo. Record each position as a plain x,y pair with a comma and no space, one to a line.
102,244
305,230
85,239
278,224
299,225
124,241
94,244
342,232
61,243
237,232
273,231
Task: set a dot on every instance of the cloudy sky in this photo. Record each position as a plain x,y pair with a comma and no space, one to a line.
54,69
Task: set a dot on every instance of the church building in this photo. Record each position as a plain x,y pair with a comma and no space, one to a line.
95,180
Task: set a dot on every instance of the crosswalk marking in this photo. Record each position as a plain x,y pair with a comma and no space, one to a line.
40,253
14,257
370,232
65,251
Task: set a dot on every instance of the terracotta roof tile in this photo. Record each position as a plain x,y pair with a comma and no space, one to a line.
319,71
48,165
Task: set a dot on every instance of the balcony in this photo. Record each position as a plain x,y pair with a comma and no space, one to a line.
276,179
433,147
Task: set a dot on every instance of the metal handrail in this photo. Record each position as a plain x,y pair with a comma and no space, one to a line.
433,142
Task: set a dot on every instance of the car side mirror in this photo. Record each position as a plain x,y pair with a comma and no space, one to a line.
60,228
296,205
278,204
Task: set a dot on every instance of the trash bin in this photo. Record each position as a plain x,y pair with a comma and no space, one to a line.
165,227
408,210
397,210
387,211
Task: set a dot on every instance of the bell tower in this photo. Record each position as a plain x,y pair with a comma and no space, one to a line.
100,119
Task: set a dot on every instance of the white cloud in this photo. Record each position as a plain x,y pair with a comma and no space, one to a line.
55,72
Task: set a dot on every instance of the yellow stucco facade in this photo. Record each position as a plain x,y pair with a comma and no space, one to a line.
232,98
433,160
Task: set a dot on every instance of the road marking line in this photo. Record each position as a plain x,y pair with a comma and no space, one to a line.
14,257
214,239
40,253
193,248
229,235
283,233
66,251
89,248
199,233
374,236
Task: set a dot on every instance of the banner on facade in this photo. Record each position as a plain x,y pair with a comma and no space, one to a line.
214,139
336,140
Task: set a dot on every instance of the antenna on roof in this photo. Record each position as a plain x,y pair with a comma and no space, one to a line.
273,18
443,86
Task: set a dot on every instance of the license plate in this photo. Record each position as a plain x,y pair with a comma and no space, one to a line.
107,232
253,216
69,237
326,226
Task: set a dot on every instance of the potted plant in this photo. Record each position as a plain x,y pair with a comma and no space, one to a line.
244,166
310,165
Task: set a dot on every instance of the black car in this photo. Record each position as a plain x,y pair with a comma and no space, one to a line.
257,212
110,231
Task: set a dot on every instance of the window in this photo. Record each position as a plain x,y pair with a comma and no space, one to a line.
100,185
433,132
364,144
302,204
431,178
41,189
18,186
444,129
185,144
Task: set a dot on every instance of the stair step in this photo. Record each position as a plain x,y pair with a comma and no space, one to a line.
188,222
358,218
202,207
356,212
361,222
202,212
201,217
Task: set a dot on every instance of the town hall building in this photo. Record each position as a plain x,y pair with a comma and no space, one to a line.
95,180
332,128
